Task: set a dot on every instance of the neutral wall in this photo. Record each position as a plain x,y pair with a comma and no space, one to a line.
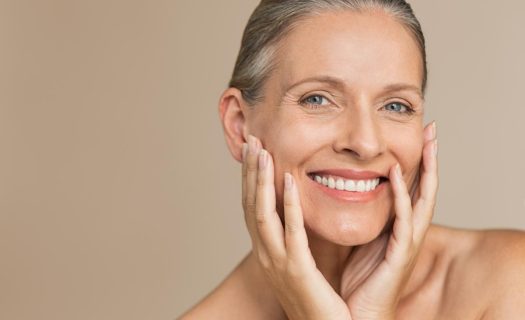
118,197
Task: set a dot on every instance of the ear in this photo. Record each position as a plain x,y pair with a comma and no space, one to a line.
232,109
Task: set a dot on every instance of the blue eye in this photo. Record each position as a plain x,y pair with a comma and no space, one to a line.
399,108
314,101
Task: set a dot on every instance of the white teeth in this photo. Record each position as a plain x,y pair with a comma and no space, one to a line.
340,184
350,185
331,183
360,186
347,184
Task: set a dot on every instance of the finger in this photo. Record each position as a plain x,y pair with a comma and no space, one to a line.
414,191
424,208
429,133
249,177
269,227
244,173
295,233
403,230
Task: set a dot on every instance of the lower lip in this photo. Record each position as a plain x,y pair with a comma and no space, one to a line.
351,196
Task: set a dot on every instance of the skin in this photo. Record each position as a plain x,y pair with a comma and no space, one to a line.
316,257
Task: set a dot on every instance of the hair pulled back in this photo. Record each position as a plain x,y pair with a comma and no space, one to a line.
272,20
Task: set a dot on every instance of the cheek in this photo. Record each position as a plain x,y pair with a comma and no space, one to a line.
409,155
292,141
292,144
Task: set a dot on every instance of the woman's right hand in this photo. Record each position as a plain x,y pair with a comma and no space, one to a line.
283,253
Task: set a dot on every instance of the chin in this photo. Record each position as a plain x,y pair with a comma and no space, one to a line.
347,228
345,218
340,220
346,235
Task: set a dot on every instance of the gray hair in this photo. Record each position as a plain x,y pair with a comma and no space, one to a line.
272,20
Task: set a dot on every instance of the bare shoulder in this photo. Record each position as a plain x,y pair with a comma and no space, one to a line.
218,303
502,252
487,271
501,255
242,295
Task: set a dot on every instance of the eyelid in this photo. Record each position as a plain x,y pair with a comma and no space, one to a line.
325,95
409,108
398,100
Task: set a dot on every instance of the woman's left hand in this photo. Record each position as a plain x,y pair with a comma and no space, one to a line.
377,272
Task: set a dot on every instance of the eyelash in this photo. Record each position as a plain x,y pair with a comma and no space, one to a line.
303,102
311,105
408,111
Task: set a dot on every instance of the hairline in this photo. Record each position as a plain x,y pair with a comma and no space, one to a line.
270,53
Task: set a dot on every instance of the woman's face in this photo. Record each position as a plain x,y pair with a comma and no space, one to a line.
345,98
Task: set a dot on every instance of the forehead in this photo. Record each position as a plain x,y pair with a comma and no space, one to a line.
368,50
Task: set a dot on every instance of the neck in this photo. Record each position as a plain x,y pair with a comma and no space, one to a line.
330,259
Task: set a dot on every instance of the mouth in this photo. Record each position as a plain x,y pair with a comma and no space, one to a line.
349,186
340,183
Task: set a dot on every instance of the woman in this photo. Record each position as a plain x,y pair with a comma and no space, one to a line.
325,112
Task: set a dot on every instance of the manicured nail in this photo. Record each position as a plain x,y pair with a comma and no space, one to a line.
435,148
263,159
434,129
287,180
244,151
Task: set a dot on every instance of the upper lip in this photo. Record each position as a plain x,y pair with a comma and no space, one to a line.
350,174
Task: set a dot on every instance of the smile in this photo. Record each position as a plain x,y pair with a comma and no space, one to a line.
349,185
339,183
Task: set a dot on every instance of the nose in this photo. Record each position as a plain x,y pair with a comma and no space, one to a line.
360,135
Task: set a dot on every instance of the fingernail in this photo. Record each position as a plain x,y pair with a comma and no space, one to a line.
429,132
244,150
435,148
287,180
398,172
252,143
434,129
263,159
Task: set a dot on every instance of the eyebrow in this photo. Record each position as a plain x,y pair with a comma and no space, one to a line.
333,81
339,83
404,87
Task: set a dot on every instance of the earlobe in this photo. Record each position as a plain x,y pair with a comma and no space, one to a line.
232,114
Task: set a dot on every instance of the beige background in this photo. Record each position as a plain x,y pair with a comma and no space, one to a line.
118,197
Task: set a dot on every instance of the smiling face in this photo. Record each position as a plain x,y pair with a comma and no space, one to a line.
344,98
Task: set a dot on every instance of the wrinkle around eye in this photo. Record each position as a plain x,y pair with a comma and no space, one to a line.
289,98
403,118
